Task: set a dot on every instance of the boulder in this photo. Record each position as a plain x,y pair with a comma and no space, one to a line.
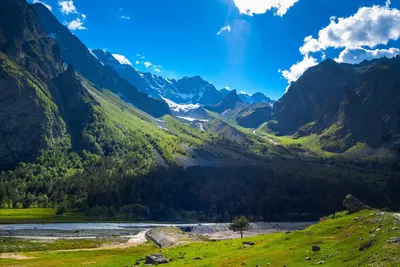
249,243
354,205
393,240
365,245
156,259
316,248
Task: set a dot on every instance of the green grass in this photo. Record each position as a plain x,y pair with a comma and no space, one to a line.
339,238
13,245
39,215
47,215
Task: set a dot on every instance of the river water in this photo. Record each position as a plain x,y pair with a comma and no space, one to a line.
92,230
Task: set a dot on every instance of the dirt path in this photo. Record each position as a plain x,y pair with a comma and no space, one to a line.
14,256
135,241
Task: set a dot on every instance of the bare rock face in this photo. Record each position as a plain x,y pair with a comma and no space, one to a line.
156,259
354,205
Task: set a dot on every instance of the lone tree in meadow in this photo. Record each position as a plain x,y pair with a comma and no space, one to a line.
240,224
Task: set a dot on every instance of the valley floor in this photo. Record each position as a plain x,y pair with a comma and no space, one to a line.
367,238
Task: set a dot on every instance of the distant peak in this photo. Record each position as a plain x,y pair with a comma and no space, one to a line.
329,61
233,92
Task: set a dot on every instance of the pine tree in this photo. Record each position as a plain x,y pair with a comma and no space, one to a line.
240,224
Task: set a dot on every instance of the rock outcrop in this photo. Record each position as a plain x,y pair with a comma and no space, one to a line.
156,259
354,205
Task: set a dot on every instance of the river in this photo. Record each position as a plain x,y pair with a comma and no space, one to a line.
53,231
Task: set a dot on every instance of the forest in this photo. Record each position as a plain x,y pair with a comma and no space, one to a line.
217,194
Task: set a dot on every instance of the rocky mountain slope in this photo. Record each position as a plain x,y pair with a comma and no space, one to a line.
74,52
189,90
228,103
250,99
256,98
29,61
343,103
254,115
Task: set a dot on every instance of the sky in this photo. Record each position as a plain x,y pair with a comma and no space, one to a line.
248,45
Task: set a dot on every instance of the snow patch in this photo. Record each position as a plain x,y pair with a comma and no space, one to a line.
191,119
180,108
93,54
201,127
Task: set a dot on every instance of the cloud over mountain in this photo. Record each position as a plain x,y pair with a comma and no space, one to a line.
358,35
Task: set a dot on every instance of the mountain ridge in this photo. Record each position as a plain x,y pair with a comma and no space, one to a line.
187,90
345,104
74,52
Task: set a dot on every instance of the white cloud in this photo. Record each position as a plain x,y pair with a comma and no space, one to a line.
125,17
43,3
323,56
141,56
243,92
227,88
83,16
147,64
157,68
369,27
137,62
122,59
295,71
67,7
360,54
226,28
251,7
76,24
357,35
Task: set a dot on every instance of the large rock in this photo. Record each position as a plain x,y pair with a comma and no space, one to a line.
354,205
316,248
156,259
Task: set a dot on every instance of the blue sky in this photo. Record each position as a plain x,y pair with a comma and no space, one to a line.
261,46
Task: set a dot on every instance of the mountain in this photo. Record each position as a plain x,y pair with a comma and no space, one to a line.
43,106
254,115
29,61
344,104
250,99
228,103
74,52
255,98
68,140
189,90
224,91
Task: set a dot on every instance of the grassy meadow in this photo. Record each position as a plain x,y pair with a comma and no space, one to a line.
359,239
